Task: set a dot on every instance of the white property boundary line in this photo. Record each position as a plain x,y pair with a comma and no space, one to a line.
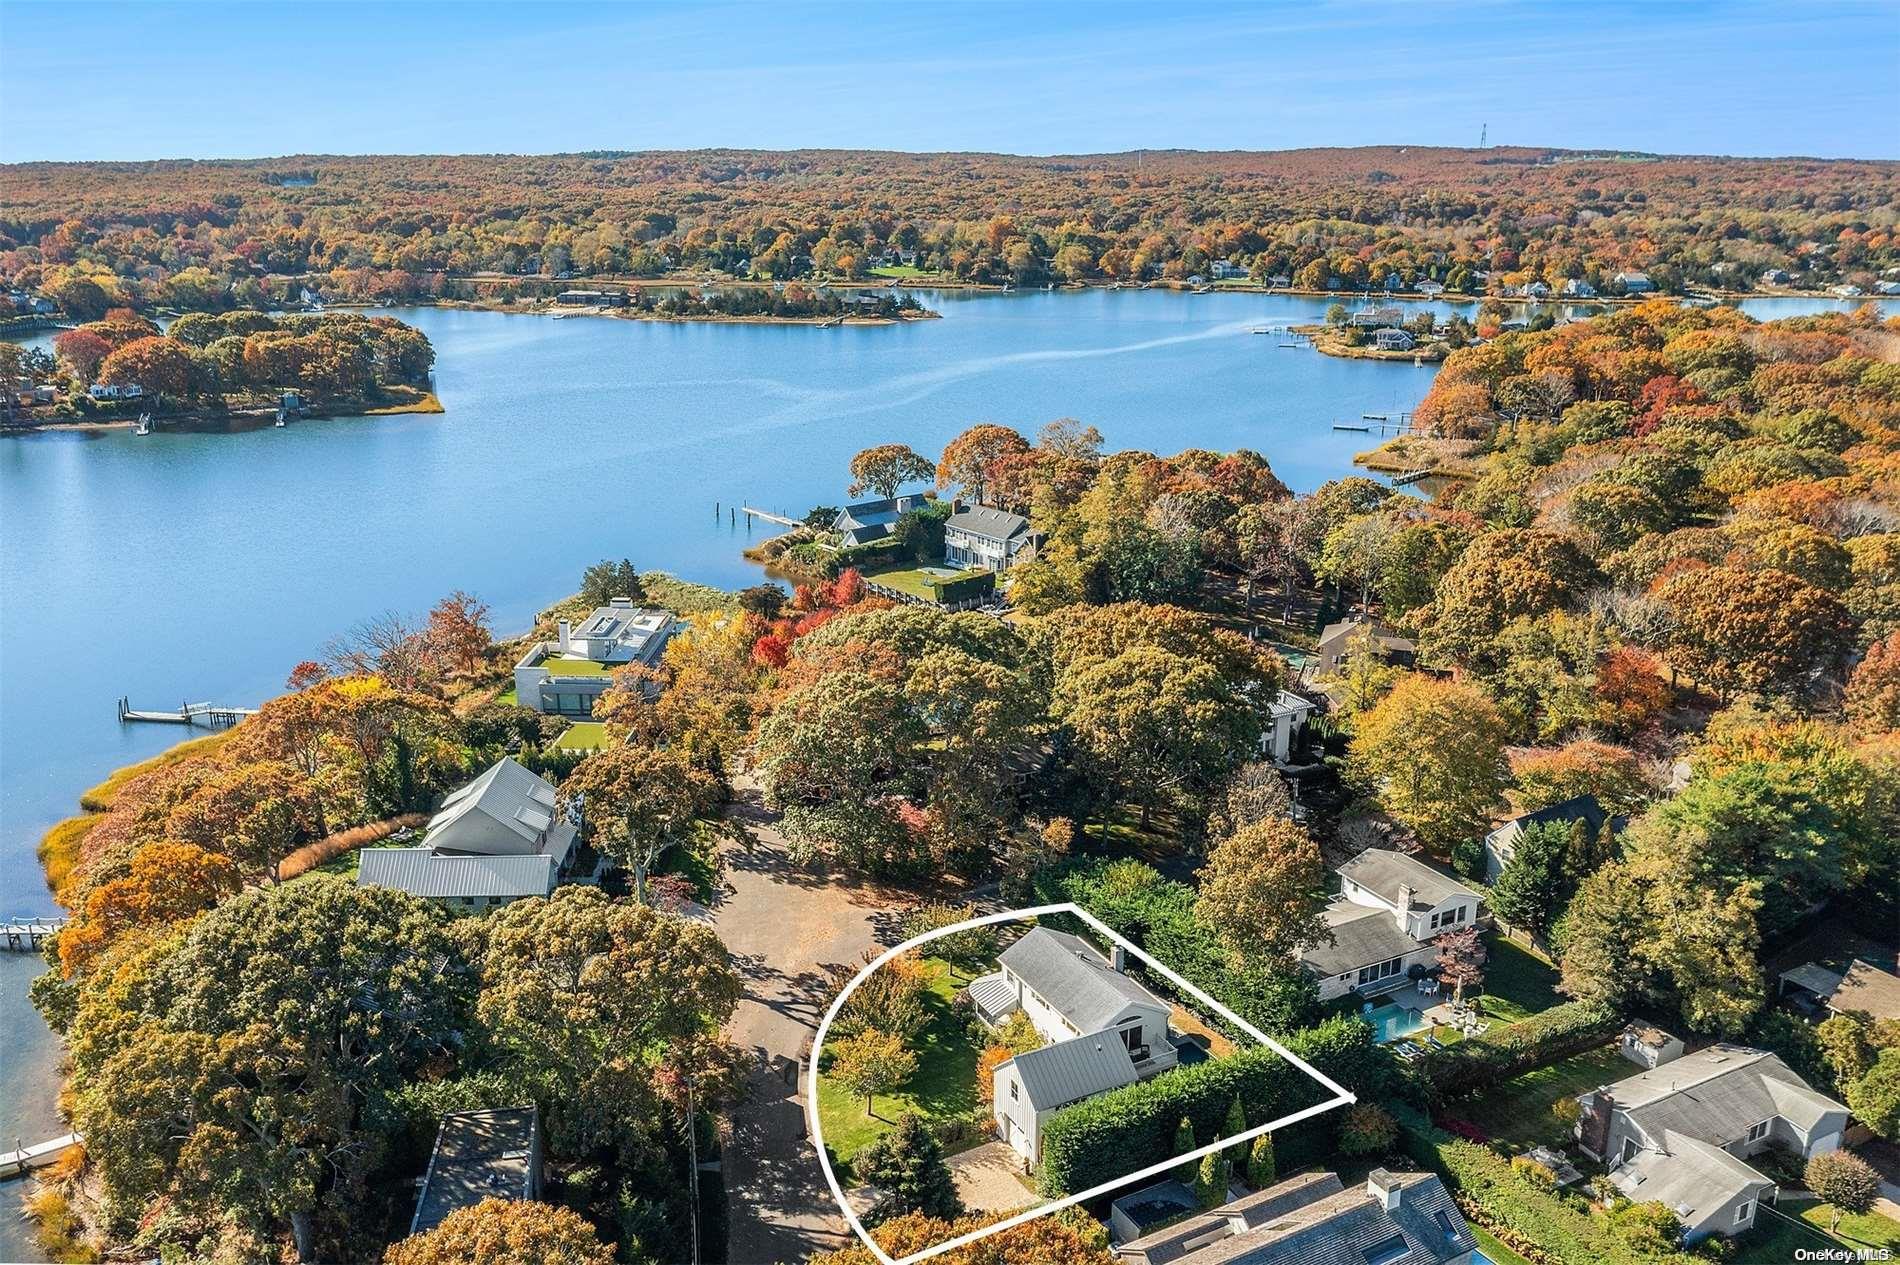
1343,1095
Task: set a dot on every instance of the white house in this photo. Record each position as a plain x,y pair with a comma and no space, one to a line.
1681,1133
563,677
1100,1020
1646,1045
1578,288
1430,288
497,839
1374,317
992,539
1227,269
1286,720
1389,909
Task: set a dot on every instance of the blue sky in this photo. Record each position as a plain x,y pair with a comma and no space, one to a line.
168,80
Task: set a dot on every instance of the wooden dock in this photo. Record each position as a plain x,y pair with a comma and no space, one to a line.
1409,477
210,715
752,513
23,935
17,1161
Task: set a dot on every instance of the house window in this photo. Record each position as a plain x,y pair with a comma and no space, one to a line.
1385,1251
1382,970
1445,1226
1013,1095
1743,1213
1758,1132
1629,1149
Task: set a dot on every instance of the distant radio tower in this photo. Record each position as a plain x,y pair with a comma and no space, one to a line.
1484,130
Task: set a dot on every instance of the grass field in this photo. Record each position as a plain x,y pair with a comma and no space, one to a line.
1518,1111
585,735
905,272
1517,983
944,1084
101,797
1794,1224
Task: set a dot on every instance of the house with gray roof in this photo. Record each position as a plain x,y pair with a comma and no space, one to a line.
1681,1133
1336,644
1861,987
1389,910
870,521
563,677
499,838
1313,1219
1031,1087
992,539
493,1154
1500,846
1069,991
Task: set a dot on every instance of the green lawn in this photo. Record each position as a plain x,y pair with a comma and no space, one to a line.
696,862
1802,1223
1518,1112
1517,983
917,581
944,1084
901,270
1494,1251
578,667
585,735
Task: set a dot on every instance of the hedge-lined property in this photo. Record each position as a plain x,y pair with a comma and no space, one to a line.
1109,1136
1456,1070
1534,1222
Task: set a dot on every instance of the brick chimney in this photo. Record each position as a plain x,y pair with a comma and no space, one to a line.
1384,1188
1593,1126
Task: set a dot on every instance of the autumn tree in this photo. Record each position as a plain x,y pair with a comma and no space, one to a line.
167,882
969,459
1873,690
505,1232
1263,891
887,467
871,1063
1844,1181
156,364
1433,752
636,802
458,632
1071,1237
1460,962
83,351
1755,630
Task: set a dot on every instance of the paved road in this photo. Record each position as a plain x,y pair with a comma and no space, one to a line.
784,927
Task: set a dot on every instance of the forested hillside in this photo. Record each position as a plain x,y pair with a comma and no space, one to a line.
211,234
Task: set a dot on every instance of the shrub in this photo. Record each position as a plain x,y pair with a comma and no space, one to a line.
1210,1183
1109,1135
1366,1130
1845,1182
908,1163
1262,1171
1536,1174
1457,1070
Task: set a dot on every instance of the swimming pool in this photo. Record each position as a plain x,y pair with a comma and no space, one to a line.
1390,1022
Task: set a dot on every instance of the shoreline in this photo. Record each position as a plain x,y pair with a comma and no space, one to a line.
219,423
627,314
1328,341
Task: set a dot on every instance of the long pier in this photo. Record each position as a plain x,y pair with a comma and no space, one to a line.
17,1161
768,516
210,715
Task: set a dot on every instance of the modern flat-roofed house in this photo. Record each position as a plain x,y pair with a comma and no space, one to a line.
1227,270
869,521
494,1154
497,839
563,677
1500,846
1031,1087
1335,645
991,539
1681,1133
1389,910
1314,1219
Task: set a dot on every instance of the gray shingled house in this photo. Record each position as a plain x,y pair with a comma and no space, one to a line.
1313,1219
1681,1133
992,539
1390,909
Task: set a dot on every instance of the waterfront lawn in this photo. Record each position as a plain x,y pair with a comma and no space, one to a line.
1517,983
102,796
585,735
918,582
1518,1112
901,270
943,1087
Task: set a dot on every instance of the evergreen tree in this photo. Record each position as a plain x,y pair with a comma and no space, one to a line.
1183,1143
1530,891
606,580
908,1163
1237,1125
1262,1168
1210,1182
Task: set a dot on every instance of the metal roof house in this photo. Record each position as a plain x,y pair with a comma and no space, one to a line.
1681,1132
1089,1007
869,521
1862,988
479,1155
1389,910
1313,1219
497,839
993,539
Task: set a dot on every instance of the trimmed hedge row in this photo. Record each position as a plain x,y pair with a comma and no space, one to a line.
1456,1070
1109,1136
1537,1224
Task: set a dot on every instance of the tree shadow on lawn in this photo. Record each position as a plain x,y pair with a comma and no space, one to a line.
942,1088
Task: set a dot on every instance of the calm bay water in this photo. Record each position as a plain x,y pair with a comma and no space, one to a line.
203,567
